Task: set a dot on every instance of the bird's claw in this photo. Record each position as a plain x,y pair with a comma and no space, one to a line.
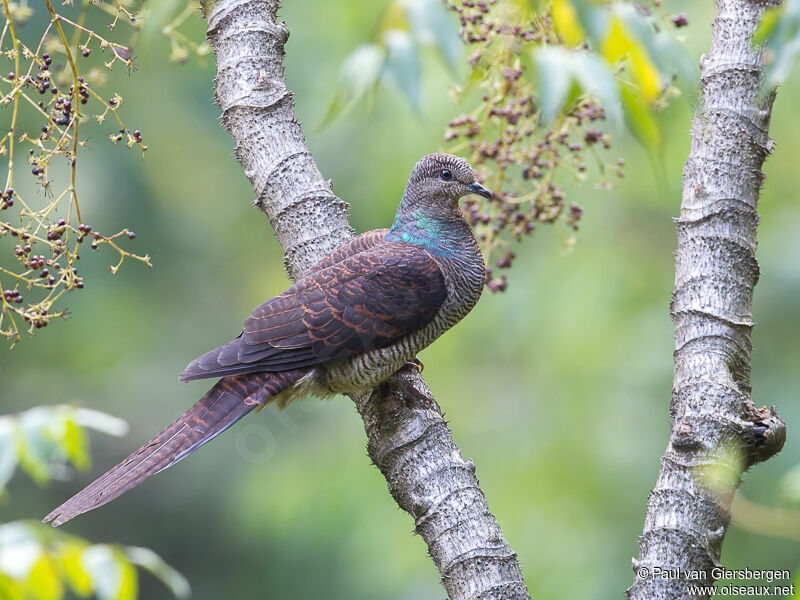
415,363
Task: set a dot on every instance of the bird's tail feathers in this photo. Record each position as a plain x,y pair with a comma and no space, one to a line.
222,406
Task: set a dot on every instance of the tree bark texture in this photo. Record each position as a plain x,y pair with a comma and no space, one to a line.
717,430
407,437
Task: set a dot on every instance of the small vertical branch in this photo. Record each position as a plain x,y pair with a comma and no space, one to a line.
76,117
5,307
717,431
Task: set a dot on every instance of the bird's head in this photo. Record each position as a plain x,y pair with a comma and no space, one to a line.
443,177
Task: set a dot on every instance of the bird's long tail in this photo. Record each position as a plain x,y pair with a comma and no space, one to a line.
222,406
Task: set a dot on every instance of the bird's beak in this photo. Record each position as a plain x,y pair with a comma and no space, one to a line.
477,188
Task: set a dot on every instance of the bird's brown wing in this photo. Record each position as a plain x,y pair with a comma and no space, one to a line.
360,243
369,300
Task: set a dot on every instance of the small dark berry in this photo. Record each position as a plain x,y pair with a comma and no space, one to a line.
681,20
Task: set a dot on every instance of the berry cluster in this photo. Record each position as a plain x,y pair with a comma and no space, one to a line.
58,90
7,199
519,159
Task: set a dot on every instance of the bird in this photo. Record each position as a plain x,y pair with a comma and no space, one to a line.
355,318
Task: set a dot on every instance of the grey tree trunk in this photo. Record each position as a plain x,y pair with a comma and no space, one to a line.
717,431
407,437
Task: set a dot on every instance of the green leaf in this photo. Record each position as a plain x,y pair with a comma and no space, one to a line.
402,64
75,445
359,73
70,561
104,571
19,550
43,561
149,560
43,580
39,438
8,451
99,421
10,589
620,45
113,577
783,62
555,78
768,25
566,22
563,72
433,24
596,78
594,18
666,52
640,119
129,578
32,452
361,70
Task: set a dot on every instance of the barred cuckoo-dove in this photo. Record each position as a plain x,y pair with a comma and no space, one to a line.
349,323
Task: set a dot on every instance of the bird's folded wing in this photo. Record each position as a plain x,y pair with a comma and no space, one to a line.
360,243
369,300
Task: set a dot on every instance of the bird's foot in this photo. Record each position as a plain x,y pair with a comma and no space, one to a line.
415,363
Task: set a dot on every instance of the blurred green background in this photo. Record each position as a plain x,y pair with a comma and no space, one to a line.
558,389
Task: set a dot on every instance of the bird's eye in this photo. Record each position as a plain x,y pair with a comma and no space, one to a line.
446,175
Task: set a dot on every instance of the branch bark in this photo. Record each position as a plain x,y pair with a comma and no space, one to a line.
407,438
717,431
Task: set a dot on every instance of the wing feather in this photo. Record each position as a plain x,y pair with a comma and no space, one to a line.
368,300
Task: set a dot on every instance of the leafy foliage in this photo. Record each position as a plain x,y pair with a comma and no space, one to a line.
393,56
40,563
43,439
37,562
544,80
780,31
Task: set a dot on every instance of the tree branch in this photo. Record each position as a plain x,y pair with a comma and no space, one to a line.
407,437
717,431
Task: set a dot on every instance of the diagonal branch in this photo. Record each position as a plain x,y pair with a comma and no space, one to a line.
717,431
407,437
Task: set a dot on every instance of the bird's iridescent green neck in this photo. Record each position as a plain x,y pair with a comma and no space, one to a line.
422,229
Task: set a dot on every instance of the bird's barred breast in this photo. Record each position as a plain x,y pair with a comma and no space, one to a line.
464,278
